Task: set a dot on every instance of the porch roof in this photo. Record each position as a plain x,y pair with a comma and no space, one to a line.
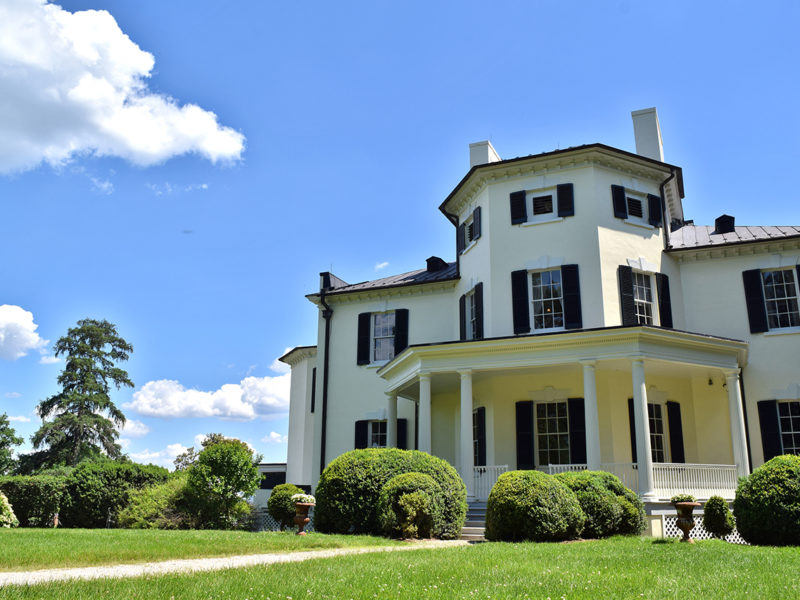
568,347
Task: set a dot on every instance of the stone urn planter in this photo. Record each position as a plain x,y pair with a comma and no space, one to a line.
301,518
685,519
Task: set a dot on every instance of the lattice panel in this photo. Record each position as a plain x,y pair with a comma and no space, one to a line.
699,533
263,521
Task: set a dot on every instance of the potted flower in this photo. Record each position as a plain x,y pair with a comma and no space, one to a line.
685,505
302,504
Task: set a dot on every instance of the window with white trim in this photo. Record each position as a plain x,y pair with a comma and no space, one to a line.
789,423
547,306
471,315
552,433
376,434
382,342
643,298
658,438
781,298
475,436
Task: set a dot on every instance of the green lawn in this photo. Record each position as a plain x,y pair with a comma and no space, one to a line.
29,549
615,568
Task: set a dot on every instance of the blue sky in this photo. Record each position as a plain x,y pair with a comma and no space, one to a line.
192,195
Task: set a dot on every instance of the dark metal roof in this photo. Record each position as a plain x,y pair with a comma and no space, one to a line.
411,278
703,236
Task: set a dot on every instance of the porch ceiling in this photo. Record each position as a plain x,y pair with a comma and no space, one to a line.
666,352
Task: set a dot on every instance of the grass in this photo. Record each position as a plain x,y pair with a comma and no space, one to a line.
614,568
29,549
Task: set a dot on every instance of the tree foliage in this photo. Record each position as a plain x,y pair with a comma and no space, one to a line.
75,422
188,458
8,439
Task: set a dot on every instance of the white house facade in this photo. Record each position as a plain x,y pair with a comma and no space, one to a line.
585,323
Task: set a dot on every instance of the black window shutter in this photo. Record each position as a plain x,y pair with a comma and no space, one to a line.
754,296
313,388
461,243
480,419
525,435
618,198
519,300
572,297
361,434
476,223
654,210
402,434
400,330
632,424
566,200
518,211
675,432
462,317
770,429
577,431
479,311
664,301
625,276
364,324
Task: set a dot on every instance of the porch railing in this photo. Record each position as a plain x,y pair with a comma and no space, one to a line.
702,481
485,477
553,469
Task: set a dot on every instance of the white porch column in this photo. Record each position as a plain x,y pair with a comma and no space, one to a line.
467,466
391,420
425,412
591,416
642,421
738,435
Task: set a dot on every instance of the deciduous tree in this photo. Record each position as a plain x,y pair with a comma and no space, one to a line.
8,439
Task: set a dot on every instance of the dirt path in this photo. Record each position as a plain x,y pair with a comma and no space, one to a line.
201,564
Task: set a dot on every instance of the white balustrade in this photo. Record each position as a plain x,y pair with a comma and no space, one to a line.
485,477
628,473
553,469
702,481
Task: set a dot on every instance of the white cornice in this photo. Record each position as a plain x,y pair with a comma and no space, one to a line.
296,355
684,255
376,293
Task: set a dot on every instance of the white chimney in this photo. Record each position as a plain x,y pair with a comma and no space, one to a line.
481,153
648,133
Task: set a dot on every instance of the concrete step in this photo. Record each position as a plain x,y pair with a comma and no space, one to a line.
475,523
473,533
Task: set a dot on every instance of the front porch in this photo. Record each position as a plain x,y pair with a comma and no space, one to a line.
660,409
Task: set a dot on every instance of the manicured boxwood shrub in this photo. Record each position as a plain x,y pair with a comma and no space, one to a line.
600,505
410,506
35,498
633,519
280,504
161,506
96,492
767,504
7,517
717,517
350,486
529,505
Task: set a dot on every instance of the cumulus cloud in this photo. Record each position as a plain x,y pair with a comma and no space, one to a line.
280,367
275,438
251,398
20,419
13,395
164,457
47,359
381,265
134,428
17,330
75,84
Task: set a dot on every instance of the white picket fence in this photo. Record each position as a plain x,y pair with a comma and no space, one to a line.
484,479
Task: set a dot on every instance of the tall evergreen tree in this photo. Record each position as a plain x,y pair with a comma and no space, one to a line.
81,420
8,439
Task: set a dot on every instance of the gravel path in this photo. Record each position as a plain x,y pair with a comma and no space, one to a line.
201,564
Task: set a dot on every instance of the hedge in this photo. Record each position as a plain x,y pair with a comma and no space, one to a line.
601,506
35,498
349,488
410,506
529,505
280,504
161,506
767,504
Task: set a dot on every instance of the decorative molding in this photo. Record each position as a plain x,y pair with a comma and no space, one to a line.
790,392
642,264
544,262
548,394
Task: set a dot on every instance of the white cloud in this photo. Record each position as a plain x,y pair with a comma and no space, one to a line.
249,399
13,395
46,359
280,367
104,186
124,443
275,438
381,265
134,428
20,419
75,84
164,457
17,330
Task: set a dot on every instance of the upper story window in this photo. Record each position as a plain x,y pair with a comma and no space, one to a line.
469,231
381,336
548,300
544,204
643,298
636,207
471,314
642,302
472,317
772,298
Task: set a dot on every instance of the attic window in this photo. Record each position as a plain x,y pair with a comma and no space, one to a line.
635,207
543,205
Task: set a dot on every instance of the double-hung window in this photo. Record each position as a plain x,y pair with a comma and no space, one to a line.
547,300
472,316
377,434
643,298
780,298
470,309
789,421
552,434
382,336
658,445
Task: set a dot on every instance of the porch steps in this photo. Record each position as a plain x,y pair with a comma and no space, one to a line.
475,525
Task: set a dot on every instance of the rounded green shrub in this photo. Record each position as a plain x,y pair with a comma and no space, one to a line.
717,517
36,498
280,504
767,504
600,505
529,505
350,486
160,506
7,517
633,519
409,506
